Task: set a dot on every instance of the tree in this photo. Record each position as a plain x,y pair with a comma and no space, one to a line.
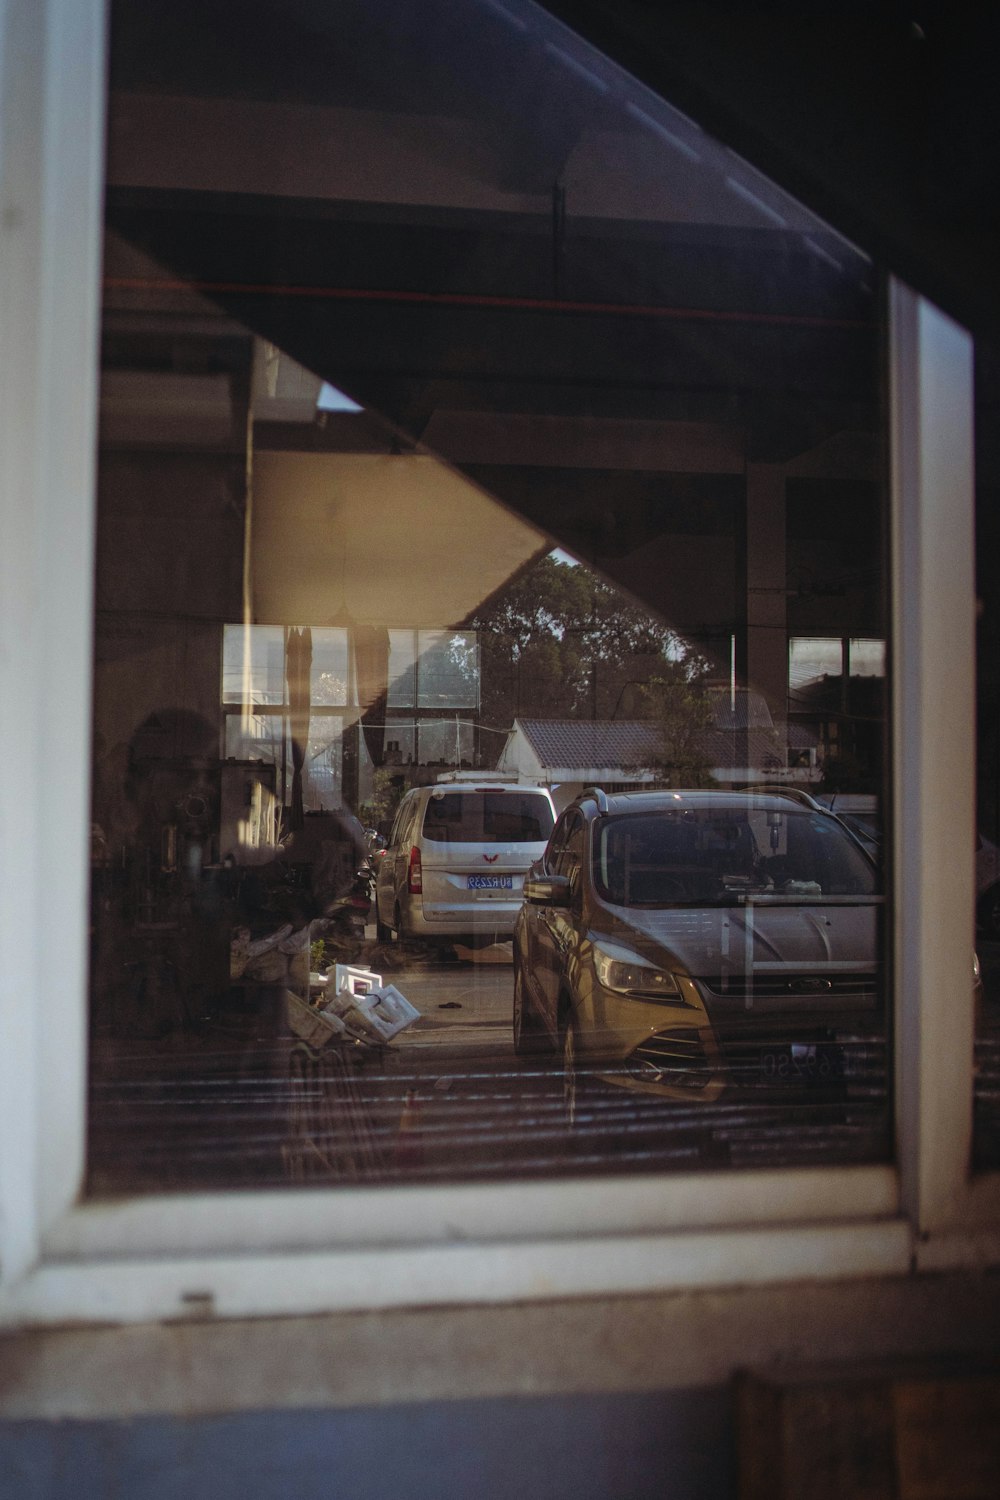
684,713
378,809
560,642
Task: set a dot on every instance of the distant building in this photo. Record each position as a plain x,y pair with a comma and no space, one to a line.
742,745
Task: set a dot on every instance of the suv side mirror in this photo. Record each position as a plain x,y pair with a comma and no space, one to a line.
547,890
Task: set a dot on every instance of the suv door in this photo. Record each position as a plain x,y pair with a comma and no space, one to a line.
550,930
394,864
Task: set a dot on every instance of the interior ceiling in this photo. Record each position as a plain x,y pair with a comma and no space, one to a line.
882,116
548,272
437,57
349,180
457,314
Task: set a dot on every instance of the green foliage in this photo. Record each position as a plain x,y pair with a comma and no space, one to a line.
683,711
560,642
378,809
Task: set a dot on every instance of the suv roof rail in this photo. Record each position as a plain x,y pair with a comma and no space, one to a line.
595,794
496,778
794,792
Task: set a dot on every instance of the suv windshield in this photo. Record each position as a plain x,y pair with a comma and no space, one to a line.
714,857
488,818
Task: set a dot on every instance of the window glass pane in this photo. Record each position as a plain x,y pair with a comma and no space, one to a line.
255,737
330,669
400,742
810,659
402,669
867,658
479,439
448,669
487,817
253,664
447,742
323,768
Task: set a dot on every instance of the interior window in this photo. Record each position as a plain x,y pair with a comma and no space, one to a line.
474,425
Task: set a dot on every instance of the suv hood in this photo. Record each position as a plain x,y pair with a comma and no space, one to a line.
822,939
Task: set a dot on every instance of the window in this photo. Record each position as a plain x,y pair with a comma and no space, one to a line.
571,528
190,1231
433,669
486,817
257,685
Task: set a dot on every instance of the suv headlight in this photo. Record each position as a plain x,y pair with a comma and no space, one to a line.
628,974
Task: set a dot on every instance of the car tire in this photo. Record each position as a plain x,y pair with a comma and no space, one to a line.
529,1038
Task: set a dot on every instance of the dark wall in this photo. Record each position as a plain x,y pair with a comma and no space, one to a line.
669,1446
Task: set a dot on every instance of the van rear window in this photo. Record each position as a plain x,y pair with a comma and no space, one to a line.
488,818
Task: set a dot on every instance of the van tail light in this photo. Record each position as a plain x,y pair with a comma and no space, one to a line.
415,879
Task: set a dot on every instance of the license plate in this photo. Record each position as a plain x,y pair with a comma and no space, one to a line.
802,1064
491,883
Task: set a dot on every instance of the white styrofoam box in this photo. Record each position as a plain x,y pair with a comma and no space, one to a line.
386,1011
314,1026
355,979
346,1021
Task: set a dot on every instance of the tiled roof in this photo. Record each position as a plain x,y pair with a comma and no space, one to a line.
635,744
576,742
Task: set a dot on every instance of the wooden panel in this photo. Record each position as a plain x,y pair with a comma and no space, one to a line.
868,1433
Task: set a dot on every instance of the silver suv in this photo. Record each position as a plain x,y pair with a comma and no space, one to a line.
456,859
687,944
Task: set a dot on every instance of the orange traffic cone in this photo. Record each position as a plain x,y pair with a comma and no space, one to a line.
409,1139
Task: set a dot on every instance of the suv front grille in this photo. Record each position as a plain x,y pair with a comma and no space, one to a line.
836,988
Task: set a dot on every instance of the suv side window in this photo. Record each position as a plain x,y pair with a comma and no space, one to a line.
572,854
557,843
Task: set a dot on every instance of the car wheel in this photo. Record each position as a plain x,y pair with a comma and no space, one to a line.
529,1038
989,912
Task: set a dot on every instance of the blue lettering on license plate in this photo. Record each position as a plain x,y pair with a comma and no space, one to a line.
491,882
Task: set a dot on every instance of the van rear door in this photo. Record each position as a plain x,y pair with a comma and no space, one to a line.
478,842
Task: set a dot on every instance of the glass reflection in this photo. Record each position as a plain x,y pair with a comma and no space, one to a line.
986,1118
474,432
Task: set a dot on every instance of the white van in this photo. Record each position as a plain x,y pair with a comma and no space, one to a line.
457,856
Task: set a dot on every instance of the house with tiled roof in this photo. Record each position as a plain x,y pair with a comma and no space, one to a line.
741,745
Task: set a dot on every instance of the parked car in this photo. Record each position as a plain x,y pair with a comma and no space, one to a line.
687,944
456,858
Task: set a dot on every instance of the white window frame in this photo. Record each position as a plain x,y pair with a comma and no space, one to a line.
278,1251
